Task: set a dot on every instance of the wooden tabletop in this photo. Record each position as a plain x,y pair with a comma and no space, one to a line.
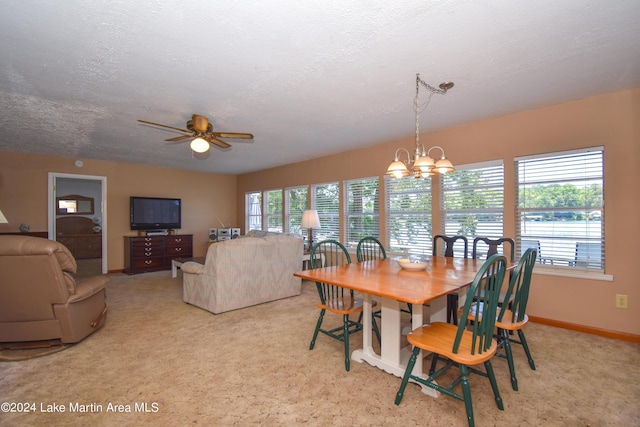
385,278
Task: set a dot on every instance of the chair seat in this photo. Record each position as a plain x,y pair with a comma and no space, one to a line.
507,324
438,337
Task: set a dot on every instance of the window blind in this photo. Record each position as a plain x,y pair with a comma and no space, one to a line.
472,201
561,208
362,209
408,205
273,210
325,198
295,203
253,213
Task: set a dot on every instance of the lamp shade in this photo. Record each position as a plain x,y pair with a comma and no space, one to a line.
310,219
199,145
3,219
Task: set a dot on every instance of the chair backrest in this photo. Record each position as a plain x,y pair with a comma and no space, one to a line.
519,286
588,254
329,253
449,243
370,248
493,245
482,297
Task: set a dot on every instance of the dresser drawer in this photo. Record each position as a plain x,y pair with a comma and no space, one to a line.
177,251
146,252
180,240
144,263
147,242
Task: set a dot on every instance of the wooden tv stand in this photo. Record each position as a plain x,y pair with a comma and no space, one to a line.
143,254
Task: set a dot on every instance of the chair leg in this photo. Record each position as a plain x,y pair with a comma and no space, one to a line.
434,362
523,341
315,334
494,384
375,329
345,319
466,392
452,308
407,374
509,355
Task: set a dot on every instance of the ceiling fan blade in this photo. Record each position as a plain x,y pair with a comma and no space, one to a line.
164,126
217,142
232,135
179,138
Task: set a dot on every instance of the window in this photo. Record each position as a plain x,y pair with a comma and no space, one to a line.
561,207
253,214
295,203
472,202
362,207
325,198
408,204
273,210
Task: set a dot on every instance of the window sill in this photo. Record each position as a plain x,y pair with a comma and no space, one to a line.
550,271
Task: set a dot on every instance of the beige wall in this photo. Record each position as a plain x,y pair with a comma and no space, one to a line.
205,197
611,120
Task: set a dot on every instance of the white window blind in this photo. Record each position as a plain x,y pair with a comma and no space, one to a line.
325,198
362,209
408,205
273,210
561,208
253,214
472,201
295,203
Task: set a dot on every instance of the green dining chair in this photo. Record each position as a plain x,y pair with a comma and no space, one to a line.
464,345
513,317
335,299
370,248
449,243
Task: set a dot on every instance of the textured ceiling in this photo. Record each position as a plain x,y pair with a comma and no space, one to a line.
306,78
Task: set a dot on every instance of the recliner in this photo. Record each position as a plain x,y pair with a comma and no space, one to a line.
39,298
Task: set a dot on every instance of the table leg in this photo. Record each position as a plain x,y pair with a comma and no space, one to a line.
174,268
392,358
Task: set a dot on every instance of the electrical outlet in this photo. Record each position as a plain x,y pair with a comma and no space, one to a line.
622,301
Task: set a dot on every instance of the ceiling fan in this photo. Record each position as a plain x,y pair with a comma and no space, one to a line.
200,129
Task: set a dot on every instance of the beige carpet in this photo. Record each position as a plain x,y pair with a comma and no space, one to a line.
253,367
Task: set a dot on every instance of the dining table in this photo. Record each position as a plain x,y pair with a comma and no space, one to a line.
390,286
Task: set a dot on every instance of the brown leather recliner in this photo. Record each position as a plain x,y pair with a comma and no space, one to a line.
40,299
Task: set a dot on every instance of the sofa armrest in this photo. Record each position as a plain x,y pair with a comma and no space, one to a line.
192,268
89,287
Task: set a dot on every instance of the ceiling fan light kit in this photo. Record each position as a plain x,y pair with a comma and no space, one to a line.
201,130
421,165
199,145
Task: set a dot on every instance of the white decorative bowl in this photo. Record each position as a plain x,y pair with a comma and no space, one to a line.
413,262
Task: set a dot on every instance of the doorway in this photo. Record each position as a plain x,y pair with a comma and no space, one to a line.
83,230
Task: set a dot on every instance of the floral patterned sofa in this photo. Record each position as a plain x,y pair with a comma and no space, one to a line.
243,272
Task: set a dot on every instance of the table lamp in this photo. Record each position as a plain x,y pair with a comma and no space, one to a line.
3,219
310,220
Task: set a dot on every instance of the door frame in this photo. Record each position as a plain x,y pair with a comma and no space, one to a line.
51,211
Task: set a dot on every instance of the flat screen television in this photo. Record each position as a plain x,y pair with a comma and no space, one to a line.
155,213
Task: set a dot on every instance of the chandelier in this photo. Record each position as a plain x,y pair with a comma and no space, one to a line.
421,164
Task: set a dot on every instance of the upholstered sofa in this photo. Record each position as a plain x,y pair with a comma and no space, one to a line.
243,272
39,297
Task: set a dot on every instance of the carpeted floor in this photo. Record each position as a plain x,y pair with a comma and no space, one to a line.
168,363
